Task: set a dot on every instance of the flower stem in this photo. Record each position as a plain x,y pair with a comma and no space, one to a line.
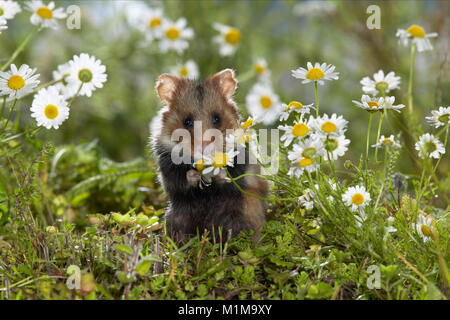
10,114
19,49
317,98
411,75
383,94
368,140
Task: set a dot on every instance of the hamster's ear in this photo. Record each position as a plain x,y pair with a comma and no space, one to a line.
166,86
226,82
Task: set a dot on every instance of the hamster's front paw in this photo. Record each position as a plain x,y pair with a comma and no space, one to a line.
193,177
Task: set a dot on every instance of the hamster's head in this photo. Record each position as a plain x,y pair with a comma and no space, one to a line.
198,113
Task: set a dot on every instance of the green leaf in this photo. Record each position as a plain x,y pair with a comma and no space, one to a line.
143,267
123,248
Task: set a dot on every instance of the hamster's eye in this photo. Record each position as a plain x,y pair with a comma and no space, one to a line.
188,123
216,119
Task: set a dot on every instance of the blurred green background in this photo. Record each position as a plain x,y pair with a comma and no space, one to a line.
119,114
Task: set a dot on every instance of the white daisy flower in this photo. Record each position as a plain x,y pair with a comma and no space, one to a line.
429,146
326,125
390,228
303,156
189,69
49,108
3,25
295,106
389,104
175,36
247,124
371,104
9,9
335,146
424,227
318,72
263,104
216,163
150,23
18,82
262,70
380,83
45,15
417,36
356,198
63,72
307,199
387,142
300,129
228,39
440,117
88,72
302,164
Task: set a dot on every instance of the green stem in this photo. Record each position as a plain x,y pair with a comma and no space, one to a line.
317,98
411,75
10,114
19,49
368,140
384,177
383,94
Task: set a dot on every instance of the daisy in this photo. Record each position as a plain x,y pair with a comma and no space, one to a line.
45,15
429,146
62,72
303,156
150,23
49,108
417,36
389,104
306,200
86,72
300,129
216,163
247,124
228,39
335,146
189,69
318,72
387,142
174,36
371,104
390,228
424,226
18,82
9,9
263,104
440,117
3,25
356,198
302,164
380,83
294,106
261,68
327,125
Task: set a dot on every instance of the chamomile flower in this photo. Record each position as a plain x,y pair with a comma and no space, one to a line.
9,9
228,39
88,72
334,146
300,129
389,104
440,117
262,70
49,108
3,25
387,142
218,161
18,82
318,72
306,200
189,70
45,15
417,36
175,36
424,227
429,146
150,23
62,72
302,164
294,106
371,104
326,125
263,104
303,156
356,198
247,124
380,83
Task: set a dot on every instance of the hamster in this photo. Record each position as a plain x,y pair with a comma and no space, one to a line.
191,208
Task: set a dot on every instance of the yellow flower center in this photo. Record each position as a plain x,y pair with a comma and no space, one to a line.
219,160
329,127
233,36
416,31
358,199
294,104
425,230
300,129
155,22
444,118
315,74
16,82
266,102
199,165
173,33
45,13
244,138
85,75
387,141
51,111
305,162
373,104
2,12
183,71
247,124
259,68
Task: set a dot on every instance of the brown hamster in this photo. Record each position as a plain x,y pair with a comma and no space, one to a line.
193,209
